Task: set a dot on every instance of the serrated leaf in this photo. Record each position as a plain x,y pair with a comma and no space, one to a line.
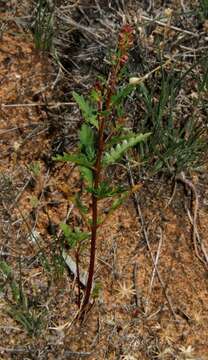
78,159
87,175
87,111
73,237
86,136
66,229
116,153
105,190
119,138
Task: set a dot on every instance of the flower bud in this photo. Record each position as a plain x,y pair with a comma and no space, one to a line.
123,59
134,80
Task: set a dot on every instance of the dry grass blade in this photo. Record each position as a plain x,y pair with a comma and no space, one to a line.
156,261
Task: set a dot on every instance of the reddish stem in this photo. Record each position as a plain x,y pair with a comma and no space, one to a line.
97,173
124,42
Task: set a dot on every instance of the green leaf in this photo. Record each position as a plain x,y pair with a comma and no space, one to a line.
78,159
15,291
122,94
87,111
95,95
34,201
86,136
35,168
105,190
82,208
5,268
87,175
73,237
99,221
120,137
116,203
66,229
116,153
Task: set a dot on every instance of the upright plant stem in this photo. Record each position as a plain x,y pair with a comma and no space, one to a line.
125,40
97,173
92,253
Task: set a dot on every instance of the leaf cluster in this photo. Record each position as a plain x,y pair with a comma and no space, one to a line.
73,236
115,147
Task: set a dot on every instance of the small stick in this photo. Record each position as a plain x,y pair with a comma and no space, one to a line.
172,196
57,78
193,49
171,26
77,354
196,239
7,327
14,350
139,80
37,104
67,325
156,261
138,296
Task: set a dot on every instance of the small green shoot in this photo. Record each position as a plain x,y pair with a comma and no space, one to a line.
18,303
35,168
43,28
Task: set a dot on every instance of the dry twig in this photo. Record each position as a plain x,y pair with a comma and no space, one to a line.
176,28
196,238
53,105
156,261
